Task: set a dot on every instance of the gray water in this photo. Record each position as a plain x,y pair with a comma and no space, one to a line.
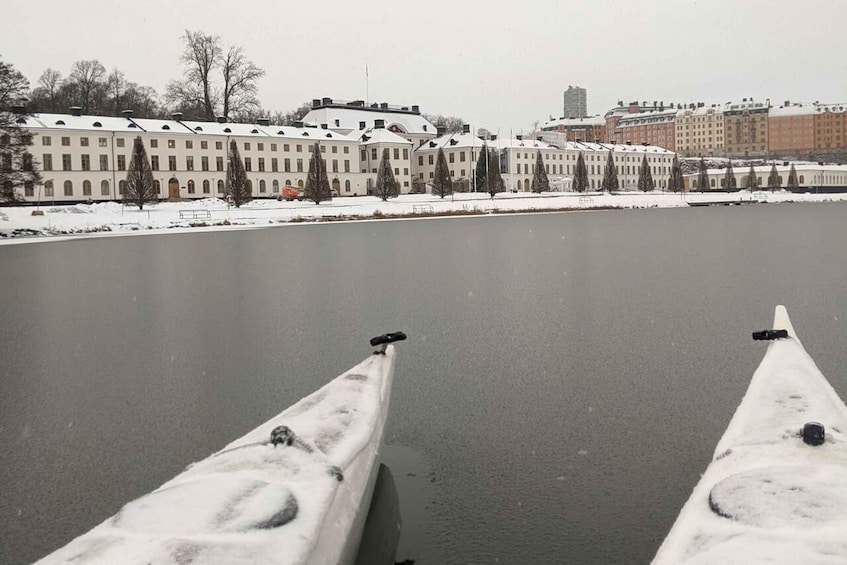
565,382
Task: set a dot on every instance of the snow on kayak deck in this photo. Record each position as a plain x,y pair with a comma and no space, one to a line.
768,497
254,502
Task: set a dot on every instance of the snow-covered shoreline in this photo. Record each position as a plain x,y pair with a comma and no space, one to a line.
17,224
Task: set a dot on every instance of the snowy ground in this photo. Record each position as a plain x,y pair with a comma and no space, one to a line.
212,213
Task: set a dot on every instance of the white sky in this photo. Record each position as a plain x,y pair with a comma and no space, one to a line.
496,64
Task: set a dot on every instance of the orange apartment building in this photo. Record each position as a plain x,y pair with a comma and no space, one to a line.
654,127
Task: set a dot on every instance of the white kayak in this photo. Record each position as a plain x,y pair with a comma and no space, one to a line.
299,499
776,489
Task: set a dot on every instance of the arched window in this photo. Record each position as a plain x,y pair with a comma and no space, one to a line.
300,183
262,185
158,186
121,187
288,182
29,189
802,179
48,188
206,186
520,185
104,187
347,185
86,188
220,187
249,186
69,188
712,182
275,186
190,187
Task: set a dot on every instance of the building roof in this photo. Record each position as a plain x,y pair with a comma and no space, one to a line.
347,119
652,116
85,123
376,136
567,123
746,104
451,141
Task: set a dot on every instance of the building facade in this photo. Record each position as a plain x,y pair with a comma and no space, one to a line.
591,129
575,102
653,127
700,131
810,177
746,128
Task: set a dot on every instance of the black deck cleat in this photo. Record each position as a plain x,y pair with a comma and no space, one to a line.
770,335
813,433
282,435
385,339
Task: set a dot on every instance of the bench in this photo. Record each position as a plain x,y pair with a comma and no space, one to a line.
195,215
422,208
586,200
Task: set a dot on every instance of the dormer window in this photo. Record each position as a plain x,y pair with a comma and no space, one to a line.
227,130
254,131
60,123
166,126
97,125
280,132
198,128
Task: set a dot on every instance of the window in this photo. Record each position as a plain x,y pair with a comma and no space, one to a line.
373,154
406,153
274,164
190,186
462,157
189,163
451,157
45,140
262,186
66,162
189,144
219,145
48,188
335,165
157,186
119,142
299,165
364,154
346,165
206,186
83,142
299,148
323,148
286,165
121,186
171,162
248,164
260,146
104,188
102,141
121,162
29,188
335,149
420,160
47,162
285,147
431,157
346,151
802,179
171,144
275,182
247,146
69,188
86,188
154,162
86,163
397,154
154,143
261,164
204,145
219,163
220,187
66,141
104,162
273,148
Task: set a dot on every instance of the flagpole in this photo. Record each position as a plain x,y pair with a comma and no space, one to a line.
367,86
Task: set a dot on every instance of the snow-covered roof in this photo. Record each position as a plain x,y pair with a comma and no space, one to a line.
164,126
515,143
653,116
373,136
699,111
226,128
348,119
87,123
590,121
451,141
748,104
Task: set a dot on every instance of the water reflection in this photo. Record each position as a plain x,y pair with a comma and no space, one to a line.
381,534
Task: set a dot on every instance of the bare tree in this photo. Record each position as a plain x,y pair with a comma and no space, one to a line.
289,118
195,92
237,186
17,166
386,186
442,184
239,78
139,188
451,124
317,184
47,91
87,79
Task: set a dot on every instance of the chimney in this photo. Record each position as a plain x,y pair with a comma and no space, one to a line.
76,111
384,106
466,128
326,101
221,119
298,124
787,103
337,123
440,131
316,102
361,125
577,140
177,116
628,142
415,108
264,121
324,126
127,114
379,124
537,138
493,137
519,137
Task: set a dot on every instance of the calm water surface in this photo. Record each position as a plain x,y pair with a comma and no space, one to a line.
566,379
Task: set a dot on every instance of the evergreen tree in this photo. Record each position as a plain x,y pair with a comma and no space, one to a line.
792,178
752,181
317,184
386,186
675,182
774,181
645,177
610,174
139,178
729,181
494,180
580,177
18,169
236,178
442,184
540,182
481,173
702,176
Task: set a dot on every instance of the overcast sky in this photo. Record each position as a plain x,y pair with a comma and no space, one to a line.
500,65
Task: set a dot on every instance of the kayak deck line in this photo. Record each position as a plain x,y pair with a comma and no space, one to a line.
776,488
272,496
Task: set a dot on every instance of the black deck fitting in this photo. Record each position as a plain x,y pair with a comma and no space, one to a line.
387,338
770,335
